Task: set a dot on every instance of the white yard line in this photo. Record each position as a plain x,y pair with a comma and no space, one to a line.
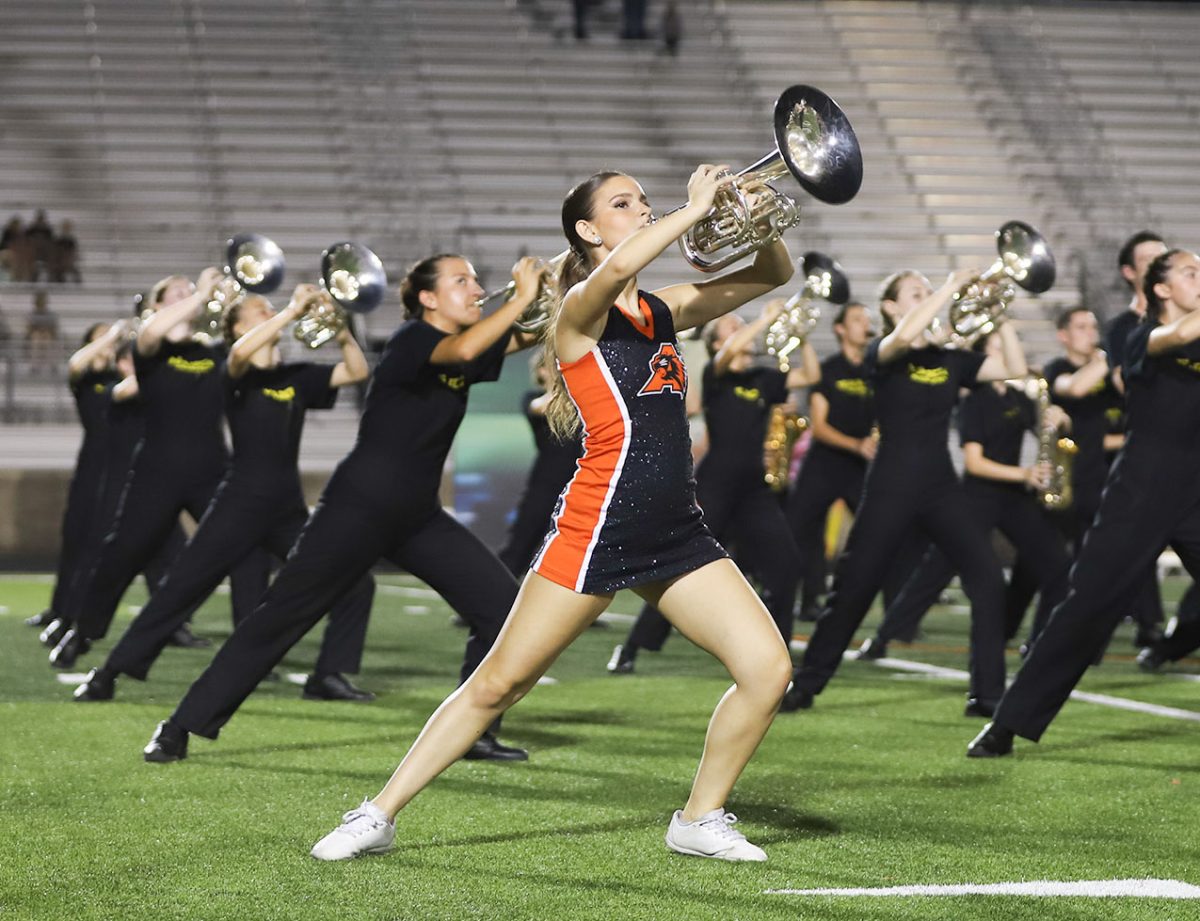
1097,888
955,674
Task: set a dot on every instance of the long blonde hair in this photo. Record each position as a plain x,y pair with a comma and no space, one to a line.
561,413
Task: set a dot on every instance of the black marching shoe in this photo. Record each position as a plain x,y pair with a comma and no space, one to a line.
796,699
53,634
1151,659
489,748
1147,635
334,687
872,649
69,648
185,639
100,684
169,743
40,620
976,707
993,742
621,662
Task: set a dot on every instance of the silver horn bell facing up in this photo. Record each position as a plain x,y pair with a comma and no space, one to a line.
816,145
980,306
353,279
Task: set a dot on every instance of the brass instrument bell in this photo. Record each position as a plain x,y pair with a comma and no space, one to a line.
353,279
979,307
254,264
541,308
824,280
815,143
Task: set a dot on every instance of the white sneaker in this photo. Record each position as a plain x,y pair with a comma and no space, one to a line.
711,835
365,830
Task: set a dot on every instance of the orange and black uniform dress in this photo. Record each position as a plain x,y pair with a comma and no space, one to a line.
381,502
911,485
629,515
1151,501
553,466
738,504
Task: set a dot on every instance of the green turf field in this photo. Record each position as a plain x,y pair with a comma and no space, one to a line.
870,788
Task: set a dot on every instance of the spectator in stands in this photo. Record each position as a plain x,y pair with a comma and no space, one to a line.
64,261
5,266
41,332
11,231
41,240
633,21
580,9
671,28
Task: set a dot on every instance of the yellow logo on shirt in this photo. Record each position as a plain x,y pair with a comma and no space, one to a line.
1113,414
456,383
854,386
931,376
286,395
1098,386
747,393
1012,412
1193,366
97,388
199,366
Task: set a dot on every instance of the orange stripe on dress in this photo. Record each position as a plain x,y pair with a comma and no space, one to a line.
585,499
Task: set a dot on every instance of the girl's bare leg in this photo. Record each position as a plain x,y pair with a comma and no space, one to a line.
717,610
544,620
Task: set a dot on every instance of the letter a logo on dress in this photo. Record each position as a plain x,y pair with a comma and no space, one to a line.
667,374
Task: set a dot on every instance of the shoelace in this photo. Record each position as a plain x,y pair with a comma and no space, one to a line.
722,826
358,822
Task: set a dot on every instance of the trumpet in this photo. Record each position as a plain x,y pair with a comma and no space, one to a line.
541,308
352,279
978,307
816,145
254,264
823,280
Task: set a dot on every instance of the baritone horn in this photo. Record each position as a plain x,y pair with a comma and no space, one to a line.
253,264
541,308
816,145
979,306
352,279
824,280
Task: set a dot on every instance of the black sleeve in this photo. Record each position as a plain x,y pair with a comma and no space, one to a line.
1137,355
871,359
313,382
1116,336
972,418
966,365
407,352
487,367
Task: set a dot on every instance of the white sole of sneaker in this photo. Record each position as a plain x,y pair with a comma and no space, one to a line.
689,852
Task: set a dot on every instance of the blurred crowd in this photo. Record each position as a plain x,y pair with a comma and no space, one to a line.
34,251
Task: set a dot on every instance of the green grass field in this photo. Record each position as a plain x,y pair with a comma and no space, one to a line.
870,788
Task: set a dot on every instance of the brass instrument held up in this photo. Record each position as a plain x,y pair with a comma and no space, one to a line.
978,308
353,279
1058,453
541,308
253,263
783,428
823,280
816,145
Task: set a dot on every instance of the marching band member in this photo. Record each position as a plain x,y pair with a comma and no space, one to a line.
382,501
737,397
1152,499
912,482
627,519
992,421
91,375
178,465
260,501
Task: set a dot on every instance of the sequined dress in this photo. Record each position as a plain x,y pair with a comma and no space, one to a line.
629,515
